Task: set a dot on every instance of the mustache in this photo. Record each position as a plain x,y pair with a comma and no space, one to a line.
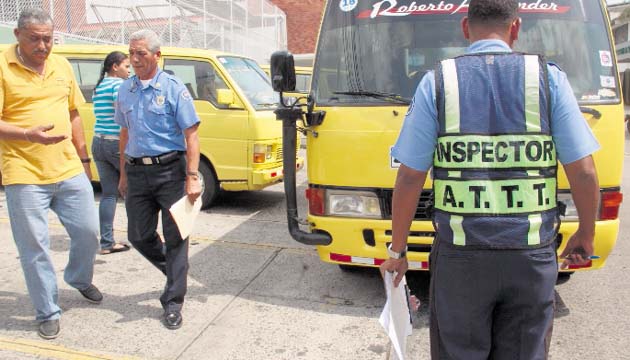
45,52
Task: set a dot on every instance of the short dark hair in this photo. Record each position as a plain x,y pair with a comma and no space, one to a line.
492,13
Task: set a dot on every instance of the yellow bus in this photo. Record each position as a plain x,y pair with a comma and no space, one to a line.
240,139
303,76
370,58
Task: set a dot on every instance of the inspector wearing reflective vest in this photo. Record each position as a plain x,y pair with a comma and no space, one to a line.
493,124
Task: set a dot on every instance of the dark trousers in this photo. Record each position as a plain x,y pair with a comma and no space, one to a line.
151,189
491,304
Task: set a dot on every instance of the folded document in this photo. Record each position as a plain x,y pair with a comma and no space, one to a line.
184,213
396,316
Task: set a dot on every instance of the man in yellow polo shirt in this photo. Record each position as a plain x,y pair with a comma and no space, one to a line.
45,165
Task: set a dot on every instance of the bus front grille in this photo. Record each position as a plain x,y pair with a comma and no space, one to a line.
423,210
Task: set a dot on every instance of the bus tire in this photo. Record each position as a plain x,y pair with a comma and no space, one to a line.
210,185
563,276
350,268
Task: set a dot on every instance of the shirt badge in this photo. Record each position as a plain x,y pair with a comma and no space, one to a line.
159,100
186,95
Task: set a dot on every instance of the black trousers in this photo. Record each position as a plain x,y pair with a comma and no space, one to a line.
151,189
491,304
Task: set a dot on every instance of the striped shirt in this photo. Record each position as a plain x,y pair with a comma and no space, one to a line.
104,97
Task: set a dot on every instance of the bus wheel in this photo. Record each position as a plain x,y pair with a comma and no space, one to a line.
563,277
209,184
350,268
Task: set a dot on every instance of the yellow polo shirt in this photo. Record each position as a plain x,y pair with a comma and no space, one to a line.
26,100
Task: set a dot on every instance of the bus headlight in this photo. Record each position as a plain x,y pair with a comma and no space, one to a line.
361,204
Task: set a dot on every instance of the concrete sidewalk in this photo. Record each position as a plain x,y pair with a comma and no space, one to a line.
253,294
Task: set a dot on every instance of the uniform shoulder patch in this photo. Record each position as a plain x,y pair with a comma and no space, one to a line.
186,95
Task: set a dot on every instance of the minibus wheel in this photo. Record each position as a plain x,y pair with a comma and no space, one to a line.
209,184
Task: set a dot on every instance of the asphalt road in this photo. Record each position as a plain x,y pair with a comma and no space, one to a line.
254,293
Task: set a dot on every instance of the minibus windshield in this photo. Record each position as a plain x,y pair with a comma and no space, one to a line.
386,47
252,80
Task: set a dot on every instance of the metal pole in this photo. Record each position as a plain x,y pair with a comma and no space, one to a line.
122,22
205,26
231,26
170,23
68,26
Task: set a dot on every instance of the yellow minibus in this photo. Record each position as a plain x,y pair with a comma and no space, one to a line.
240,138
369,60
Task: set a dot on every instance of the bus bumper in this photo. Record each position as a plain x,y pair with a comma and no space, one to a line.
262,178
363,242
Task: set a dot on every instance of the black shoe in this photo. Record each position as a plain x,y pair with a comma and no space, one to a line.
173,320
92,294
49,329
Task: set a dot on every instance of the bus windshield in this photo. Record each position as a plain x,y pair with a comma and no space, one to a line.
375,52
252,80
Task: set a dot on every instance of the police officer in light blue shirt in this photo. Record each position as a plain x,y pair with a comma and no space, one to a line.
161,158
493,267
157,113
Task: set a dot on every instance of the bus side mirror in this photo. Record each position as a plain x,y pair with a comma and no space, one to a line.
625,86
225,97
282,71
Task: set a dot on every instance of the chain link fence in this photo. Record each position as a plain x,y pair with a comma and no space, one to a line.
255,28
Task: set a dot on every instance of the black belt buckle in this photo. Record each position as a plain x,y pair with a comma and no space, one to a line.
154,160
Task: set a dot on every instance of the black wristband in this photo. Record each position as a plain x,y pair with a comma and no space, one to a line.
86,160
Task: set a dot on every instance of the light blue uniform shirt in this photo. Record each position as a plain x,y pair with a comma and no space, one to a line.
418,137
155,116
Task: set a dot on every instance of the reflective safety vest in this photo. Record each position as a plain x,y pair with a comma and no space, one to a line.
494,167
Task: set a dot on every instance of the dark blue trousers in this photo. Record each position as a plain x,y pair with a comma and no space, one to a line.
491,304
151,189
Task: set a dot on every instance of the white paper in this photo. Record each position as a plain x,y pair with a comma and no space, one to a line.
396,316
184,213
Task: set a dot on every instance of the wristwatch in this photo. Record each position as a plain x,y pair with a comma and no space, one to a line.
396,255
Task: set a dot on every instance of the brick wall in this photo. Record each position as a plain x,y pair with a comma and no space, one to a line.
303,20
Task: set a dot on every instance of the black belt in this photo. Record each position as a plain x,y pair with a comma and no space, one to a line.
161,159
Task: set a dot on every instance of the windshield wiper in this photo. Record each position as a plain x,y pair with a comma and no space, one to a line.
587,110
376,94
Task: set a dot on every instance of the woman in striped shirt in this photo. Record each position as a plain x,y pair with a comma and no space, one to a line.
105,144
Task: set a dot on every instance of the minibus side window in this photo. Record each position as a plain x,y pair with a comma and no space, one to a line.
86,72
200,77
303,83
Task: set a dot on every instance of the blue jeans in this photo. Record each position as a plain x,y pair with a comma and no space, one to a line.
73,202
106,157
